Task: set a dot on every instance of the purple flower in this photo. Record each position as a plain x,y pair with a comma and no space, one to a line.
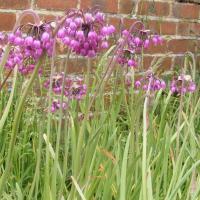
182,84
143,83
56,105
27,47
86,33
74,87
132,43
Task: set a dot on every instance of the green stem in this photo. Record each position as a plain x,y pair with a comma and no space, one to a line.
144,144
9,103
15,128
65,157
6,78
46,193
56,163
34,185
179,122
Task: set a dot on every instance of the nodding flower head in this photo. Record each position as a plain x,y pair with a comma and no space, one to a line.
87,31
133,42
74,87
182,84
56,106
143,83
28,43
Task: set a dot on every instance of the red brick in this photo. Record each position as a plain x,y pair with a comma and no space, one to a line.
168,28
165,64
183,28
128,22
194,29
86,4
121,23
8,21
76,65
126,6
198,62
161,27
56,4
104,5
178,61
147,61
48,18
115,22
181,45
44,18
157,49
154,26
186,10
15,4
27,19
154,8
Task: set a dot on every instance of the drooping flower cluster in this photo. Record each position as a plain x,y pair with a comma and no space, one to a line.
28,46
86,33
182,84
156,83
132,44
149,80
74,88
56,105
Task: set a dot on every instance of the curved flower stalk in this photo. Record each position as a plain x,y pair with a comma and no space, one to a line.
17,24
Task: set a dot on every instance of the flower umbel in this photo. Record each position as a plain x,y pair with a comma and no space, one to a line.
74,89
86,33
182,84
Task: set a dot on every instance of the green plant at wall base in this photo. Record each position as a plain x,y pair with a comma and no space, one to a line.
114,133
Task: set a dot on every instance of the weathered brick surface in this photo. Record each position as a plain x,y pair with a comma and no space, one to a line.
166,62
183,28
179,22
126,6
186,10
105,5
15,4
151,8
7,21
56,4
181,45
158,49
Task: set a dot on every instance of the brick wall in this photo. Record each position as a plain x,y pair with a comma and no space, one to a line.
179,22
